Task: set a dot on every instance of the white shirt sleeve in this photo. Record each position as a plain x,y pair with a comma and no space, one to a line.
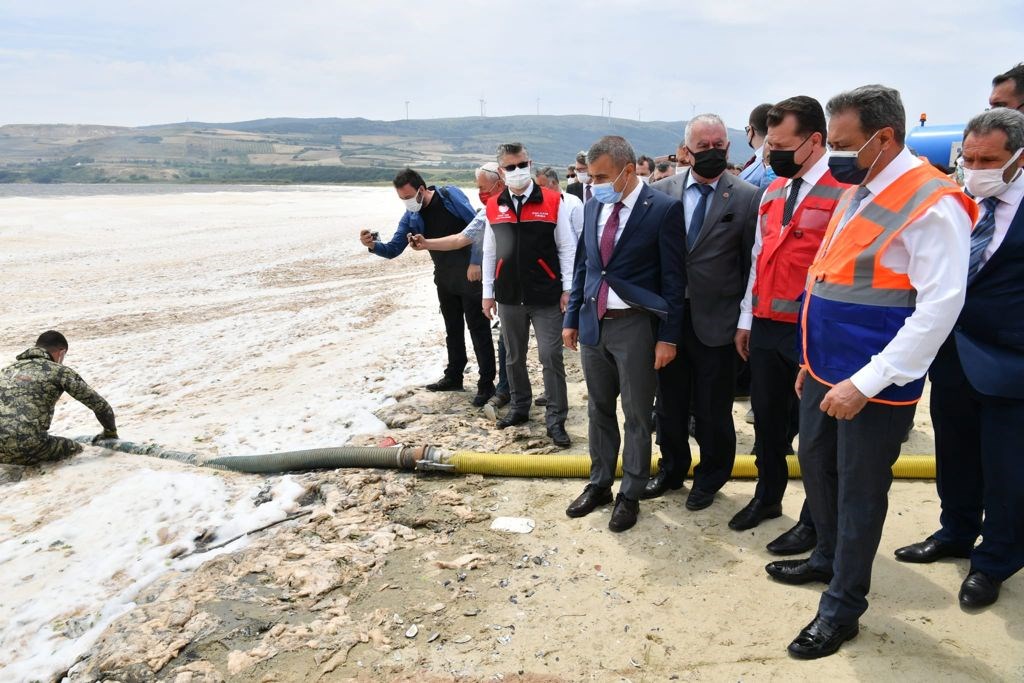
933,252
489,260
576,219
747,305
566,242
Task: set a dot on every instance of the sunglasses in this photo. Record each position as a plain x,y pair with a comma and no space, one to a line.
512,167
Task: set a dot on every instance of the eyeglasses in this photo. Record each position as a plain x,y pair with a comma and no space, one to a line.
512,167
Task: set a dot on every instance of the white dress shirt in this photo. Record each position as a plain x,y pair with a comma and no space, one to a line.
933,252
1006,209
810,178
575,205
564,241
602,218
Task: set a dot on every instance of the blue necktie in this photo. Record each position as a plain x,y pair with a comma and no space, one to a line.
697,221
981,236
858,197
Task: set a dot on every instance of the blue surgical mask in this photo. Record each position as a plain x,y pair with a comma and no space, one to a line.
605,192
844,168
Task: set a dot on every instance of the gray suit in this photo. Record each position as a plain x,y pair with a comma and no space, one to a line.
718,265
705,366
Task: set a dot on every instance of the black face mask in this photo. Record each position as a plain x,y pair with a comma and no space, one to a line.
783,161
710,163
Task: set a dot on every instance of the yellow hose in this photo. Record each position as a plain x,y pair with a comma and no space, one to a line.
578,466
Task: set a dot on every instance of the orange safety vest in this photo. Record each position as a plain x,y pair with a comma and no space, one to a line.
854,306
787,251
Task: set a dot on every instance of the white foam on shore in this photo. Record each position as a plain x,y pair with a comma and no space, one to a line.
105,533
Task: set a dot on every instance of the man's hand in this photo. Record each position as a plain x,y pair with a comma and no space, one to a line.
799,386
564,302
366,238
843,401
417,242
570,337
104,435
664,353
490,308
742,341
474,274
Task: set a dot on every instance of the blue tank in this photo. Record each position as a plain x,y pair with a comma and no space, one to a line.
941,145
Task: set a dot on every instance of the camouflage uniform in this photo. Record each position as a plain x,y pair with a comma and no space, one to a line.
29,390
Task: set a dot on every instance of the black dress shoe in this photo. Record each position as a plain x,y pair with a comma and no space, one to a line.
930,550
796,572
559,436
593,497
978,590
753,514
800,539
512,419
660,484
821,638
483,395
540,401
623,514
446,383
699,499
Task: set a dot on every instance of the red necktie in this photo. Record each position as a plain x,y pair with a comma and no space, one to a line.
586,193
607,247
750,161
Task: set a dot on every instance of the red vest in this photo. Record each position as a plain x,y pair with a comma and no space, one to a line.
787,252
527,269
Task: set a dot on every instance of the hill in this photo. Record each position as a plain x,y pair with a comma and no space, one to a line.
309,150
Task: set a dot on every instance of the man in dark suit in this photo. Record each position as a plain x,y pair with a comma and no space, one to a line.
583,188
977,401
720,215
625,309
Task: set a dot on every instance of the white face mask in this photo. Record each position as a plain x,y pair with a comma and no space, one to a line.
645,179
681,169
583,177
414,204
518,179
988,182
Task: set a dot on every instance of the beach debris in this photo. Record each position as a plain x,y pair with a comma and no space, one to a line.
413,630
513,525
434,609
471,612
462,639
468,561
434,636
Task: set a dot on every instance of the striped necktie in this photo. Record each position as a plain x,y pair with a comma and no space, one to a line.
858,197
982,235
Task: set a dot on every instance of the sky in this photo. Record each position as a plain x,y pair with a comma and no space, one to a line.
133,63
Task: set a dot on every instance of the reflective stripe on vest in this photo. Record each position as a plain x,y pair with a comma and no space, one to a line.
787,251
854,305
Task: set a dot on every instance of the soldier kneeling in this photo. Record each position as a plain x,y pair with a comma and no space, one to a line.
29,390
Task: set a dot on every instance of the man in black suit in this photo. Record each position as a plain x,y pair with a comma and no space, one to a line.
977,401
583,188
720,219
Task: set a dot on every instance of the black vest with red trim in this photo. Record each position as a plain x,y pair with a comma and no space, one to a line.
527,269
787,251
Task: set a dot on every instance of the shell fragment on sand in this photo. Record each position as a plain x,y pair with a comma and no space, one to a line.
513,525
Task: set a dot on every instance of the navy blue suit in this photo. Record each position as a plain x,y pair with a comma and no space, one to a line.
647,268
977,408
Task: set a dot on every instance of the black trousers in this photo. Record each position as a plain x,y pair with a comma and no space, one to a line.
773,368
708,374
847,472
461,309
980,475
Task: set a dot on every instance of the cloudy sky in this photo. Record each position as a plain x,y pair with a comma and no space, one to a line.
135,63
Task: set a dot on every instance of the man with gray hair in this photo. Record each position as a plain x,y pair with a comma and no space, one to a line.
882,294
527,272
977,399
626,310
720,215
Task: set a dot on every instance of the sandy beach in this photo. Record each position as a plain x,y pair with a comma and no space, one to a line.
237,322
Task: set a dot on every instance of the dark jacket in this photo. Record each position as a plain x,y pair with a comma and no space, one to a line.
646,269
454,200
718,265
986,346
